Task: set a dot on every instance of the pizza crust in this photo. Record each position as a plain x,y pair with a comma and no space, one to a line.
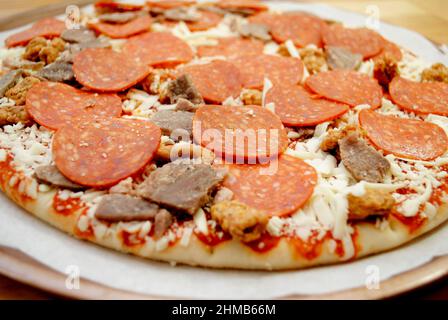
230,254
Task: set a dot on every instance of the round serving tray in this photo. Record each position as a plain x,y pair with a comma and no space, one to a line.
21,267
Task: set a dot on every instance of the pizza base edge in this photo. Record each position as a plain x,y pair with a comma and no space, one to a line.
230,254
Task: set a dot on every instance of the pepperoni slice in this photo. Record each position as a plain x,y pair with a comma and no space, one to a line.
101,152
125,30
390,49
53,105
278,188
216,81
106,70
255,68
346,86
112,6
208,20
158,49
413,139
422,98
265,18
47,28
296,107
232,47
249,132
252,5
364,41
303,29
169,4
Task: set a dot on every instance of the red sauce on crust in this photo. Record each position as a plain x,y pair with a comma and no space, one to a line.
87,234
131,239
264,244
66,207
212,238
413,223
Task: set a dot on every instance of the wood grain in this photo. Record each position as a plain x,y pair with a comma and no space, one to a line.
426,17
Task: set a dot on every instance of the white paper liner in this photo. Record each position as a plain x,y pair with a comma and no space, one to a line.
58,251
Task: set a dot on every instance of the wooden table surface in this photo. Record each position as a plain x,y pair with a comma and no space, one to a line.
426,17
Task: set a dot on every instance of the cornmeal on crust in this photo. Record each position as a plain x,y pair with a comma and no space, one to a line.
356,163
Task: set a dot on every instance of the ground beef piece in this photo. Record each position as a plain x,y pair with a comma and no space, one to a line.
9,80
162,223
78,35
361,160
181,186
386,69
438,72
314,60
372,203
13,115
39,49
172,152
52,176
257,31
156,81
19,91
176,123
184,88
251,97
33,49
182,14
242,222
119,207
341,58
58,72
301,133
330,141
185,105
117,17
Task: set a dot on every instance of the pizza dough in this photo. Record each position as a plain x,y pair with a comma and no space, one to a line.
98,139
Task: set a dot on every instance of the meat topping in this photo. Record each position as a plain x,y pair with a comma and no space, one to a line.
183,87
371,203
119,207
13,115
438,72
362,161
118,17
257,31
78,35
182,186
58,71
330,142
162,223
179,124
9,80
173,152
386,69
182,14
39,49
241,221
19,91
313,59
52,176
252,97
341,58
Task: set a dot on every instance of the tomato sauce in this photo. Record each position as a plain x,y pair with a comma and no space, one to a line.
413,223
67,206
212,239
87,234
131,239
264,244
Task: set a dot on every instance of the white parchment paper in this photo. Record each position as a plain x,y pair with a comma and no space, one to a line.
57,250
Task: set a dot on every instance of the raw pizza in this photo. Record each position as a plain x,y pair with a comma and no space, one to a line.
223,134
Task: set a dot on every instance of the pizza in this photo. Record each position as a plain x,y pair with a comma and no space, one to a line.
223,134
